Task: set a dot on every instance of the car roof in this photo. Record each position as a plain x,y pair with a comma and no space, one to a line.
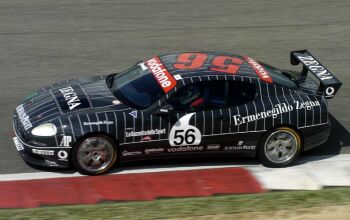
168,60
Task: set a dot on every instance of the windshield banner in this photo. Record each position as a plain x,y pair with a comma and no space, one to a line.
161,74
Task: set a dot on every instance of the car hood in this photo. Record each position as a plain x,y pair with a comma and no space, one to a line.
66,97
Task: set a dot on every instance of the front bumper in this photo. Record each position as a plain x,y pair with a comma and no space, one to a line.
41,156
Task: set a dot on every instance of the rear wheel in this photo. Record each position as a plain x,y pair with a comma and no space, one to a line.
94,155
279,147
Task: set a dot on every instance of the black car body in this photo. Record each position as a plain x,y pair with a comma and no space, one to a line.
176,105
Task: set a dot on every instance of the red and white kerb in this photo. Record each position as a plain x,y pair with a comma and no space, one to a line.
260,71
161,74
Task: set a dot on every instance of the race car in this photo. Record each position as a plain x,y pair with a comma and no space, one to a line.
178,105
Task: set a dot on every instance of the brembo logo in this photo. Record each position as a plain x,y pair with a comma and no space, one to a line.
71,97
163,77
321,72
260,71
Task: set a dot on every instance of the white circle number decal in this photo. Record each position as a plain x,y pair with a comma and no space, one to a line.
62,154
182,133
330,91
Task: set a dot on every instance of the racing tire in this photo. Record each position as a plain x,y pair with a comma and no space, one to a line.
279,147
94,155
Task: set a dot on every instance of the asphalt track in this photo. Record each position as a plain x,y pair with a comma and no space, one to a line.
45,41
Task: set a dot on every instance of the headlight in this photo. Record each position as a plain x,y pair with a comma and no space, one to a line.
45,130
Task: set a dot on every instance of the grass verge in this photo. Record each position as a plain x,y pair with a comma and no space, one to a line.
181,207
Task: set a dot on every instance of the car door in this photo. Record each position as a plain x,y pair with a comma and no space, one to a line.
243,104
200,117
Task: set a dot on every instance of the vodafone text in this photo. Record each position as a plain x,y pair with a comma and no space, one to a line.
163,77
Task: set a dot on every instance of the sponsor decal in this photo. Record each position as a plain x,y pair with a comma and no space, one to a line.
66,140
133,114
321,72
116,102
62,155
239,146
161,74
144,133
330,91
143,66
43,152
51,163
259,69
131,153
177,77
213,147
71,98
274,112
306,105
18,144
185,149
99,123
154,150
23,117
146,138
182,133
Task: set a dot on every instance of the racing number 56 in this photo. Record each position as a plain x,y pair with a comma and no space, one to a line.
191,61
181,137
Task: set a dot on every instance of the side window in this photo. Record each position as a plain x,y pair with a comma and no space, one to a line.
200,96
240,93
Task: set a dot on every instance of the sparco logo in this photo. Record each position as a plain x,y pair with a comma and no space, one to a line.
71,97
185,149
321,72
163,77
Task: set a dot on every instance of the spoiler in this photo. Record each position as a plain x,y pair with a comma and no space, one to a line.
329,84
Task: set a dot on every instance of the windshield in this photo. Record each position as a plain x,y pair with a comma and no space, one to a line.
136,87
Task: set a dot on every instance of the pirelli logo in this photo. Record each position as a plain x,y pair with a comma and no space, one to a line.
161,74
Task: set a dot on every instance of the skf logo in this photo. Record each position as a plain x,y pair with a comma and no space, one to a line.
71,97
163,77
66,140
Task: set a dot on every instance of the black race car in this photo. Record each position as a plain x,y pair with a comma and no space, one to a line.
178,105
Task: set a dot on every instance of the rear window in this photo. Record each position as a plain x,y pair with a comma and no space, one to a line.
279,76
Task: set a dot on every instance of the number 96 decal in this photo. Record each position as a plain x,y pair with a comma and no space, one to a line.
182,133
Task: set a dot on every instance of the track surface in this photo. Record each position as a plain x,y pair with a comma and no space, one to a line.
45,41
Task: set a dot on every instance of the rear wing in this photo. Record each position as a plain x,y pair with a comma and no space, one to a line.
329,84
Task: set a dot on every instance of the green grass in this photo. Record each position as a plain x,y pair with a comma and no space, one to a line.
169,208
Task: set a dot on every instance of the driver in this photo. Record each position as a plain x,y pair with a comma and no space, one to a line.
187,98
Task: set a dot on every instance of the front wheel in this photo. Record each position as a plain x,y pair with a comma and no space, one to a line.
279,147
94,155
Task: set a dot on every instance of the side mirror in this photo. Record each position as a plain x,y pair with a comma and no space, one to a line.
165,110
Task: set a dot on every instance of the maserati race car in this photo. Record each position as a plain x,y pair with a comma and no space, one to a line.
176,105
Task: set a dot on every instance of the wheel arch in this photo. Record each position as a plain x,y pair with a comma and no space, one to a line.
94,133
294,128
80,139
